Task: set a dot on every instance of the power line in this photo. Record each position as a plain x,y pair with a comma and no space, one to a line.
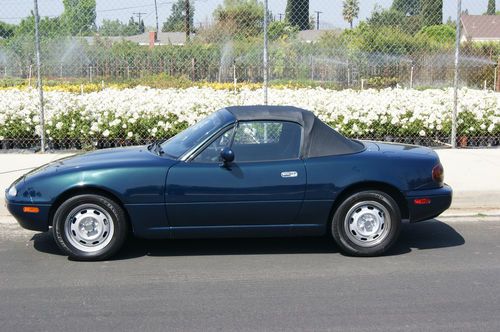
102,10
132,7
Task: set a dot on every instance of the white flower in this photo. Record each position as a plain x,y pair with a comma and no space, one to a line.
351,112
130,134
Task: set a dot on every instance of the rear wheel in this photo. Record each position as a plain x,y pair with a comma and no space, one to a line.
367,223
89,227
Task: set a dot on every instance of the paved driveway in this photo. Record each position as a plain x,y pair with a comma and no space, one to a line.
442,276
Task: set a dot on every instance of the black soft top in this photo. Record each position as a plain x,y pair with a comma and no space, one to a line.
319,139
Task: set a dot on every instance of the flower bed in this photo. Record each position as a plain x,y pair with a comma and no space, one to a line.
139,114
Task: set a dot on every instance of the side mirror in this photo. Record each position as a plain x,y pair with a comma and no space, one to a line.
227,155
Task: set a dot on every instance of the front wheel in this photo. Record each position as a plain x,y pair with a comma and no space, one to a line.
89,227
367,223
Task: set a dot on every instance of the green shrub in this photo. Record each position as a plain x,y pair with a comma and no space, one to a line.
443,33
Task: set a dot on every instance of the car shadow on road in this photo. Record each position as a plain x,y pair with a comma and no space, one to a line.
432,234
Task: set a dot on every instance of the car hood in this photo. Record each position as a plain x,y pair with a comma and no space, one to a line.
107,158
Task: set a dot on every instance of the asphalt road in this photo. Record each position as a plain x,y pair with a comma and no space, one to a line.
441,276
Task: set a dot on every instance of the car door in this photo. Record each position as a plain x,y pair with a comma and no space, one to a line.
264,185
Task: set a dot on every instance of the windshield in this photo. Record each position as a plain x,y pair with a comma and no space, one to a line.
192,136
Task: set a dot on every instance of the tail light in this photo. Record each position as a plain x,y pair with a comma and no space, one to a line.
438,173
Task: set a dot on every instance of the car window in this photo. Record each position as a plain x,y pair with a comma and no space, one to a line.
257,141
211,153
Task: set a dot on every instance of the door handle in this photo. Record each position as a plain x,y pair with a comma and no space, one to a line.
289,174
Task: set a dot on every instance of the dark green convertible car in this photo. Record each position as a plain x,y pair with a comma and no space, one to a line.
243,171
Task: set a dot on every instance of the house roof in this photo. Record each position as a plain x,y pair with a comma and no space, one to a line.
310,36
163,38
483,27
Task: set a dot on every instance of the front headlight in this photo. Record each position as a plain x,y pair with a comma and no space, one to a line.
12,191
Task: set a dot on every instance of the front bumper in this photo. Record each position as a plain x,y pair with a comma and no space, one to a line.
440,201
32,221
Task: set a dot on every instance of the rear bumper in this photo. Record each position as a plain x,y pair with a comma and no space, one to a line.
440,201
32,221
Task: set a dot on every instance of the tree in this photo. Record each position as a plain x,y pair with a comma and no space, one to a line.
387,18
48,28
443,34
118,28
351,10
281,30
395,19
297,13
6,30
242,18
22,42
79,16
407,7
431,12
491,7
138,27
177,19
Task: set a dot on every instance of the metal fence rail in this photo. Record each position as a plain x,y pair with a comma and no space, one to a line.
214,52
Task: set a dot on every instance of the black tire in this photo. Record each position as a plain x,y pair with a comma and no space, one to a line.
82,215
376,217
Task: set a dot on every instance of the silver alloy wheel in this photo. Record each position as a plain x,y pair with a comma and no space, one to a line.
367,223
89,228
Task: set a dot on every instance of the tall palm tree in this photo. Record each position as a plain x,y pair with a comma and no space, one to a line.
351,10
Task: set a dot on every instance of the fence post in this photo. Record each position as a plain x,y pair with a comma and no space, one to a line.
497,73
39,76
266,70
411,75
456,79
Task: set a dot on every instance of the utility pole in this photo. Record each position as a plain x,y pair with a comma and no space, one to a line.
187,21
317,19
280,16
157,26
139,14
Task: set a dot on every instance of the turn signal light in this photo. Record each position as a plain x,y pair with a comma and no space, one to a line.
30,209
422,201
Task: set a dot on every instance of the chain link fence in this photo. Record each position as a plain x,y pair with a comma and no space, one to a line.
115,73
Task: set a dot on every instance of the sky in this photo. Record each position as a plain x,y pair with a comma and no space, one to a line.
13,10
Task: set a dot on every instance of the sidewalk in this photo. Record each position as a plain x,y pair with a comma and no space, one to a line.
473,174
